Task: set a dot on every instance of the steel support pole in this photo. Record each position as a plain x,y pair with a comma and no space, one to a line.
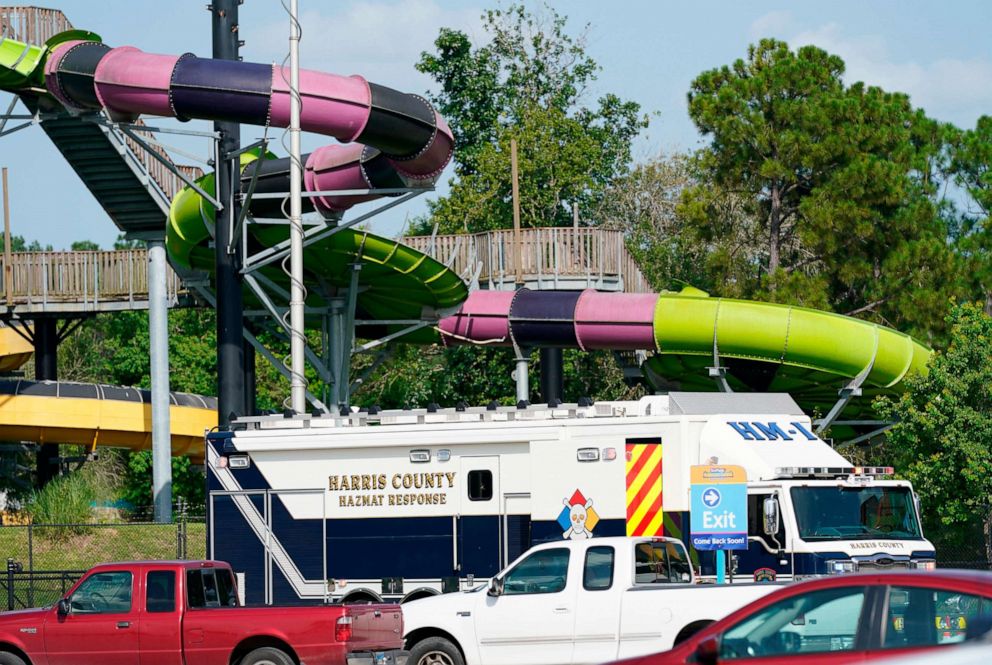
251,407
46,349
230,308
297,298
158,335
523,385
552,366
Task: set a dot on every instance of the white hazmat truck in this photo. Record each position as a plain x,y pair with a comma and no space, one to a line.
403,504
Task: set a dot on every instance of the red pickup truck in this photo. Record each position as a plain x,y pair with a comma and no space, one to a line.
187,613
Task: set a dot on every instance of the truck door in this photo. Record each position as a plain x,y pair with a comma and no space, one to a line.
762,554
160,631
102,626
516,526
480,517
533,621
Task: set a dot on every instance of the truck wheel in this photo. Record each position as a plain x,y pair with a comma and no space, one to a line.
7,658
435,651
265,656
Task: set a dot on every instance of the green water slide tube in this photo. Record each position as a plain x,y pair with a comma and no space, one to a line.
395,281
768,347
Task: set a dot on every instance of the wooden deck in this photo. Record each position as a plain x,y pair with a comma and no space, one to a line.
549,258
80,282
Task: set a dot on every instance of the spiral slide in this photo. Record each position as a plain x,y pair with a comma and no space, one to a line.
395,140
398,140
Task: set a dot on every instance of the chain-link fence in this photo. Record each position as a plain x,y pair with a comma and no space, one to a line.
43,560
972,556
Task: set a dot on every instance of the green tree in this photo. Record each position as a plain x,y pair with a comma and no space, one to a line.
188,484
971,166
84,246
841,180
526,83
19,244
123,242
671,251
942,441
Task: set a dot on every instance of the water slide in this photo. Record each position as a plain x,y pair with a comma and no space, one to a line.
392,140
90,414
763,346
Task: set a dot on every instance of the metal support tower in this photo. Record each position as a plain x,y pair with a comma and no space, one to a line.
552,366
46,348
158,336
230,306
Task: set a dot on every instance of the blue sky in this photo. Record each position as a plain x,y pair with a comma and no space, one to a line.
938,53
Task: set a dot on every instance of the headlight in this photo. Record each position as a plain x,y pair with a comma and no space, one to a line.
924,564
840,567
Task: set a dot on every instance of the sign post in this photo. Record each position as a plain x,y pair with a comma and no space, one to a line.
718,503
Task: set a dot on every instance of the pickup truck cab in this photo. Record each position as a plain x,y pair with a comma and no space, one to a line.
188,613
580,601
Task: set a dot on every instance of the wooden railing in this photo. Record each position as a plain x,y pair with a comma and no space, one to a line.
93,280
557,257
33,25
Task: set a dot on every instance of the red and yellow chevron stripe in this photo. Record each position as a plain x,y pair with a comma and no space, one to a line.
644,511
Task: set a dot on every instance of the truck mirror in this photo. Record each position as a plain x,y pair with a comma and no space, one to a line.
770,520
708,651
496,586
64,608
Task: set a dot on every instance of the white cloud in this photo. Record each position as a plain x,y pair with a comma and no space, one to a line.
381,41
949,89
772,24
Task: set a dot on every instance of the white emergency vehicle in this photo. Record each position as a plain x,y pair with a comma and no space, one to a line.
403,504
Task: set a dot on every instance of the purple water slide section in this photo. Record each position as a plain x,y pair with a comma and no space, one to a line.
129,80
428,164
52,68
484,318
618,321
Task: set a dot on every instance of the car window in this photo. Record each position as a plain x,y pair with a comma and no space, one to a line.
597,574
661,562
920,617
210,587
815,622
545,571
160,591
103,593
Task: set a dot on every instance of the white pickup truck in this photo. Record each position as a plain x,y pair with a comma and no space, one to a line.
579,601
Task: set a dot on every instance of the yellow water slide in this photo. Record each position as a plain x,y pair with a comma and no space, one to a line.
90,414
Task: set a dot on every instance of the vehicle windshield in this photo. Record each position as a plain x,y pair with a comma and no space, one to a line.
852,513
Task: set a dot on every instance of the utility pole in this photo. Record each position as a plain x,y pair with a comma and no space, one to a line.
518,266
230,307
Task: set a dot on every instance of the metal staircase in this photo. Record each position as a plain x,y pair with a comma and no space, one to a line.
133,186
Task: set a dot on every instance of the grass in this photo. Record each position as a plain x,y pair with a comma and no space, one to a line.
56,548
